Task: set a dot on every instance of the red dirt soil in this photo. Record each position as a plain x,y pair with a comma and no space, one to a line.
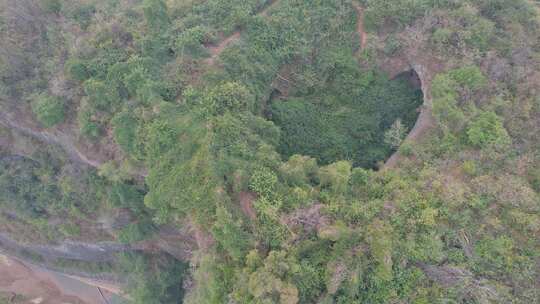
217,49
246,203
18,279
360,26
38,285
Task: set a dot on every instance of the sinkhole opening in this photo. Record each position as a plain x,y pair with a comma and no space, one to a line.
362,120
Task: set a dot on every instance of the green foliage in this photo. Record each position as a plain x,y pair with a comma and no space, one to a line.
392,45
496,253
155,14
209,133
100,95
267,283
159,137
487,130
395,135
229,96
299,170
190,42
448,89
469,77
83,14
87,126
181,189
350,120
398,12
76,69
214,290
381,246
229,233
336,176
264,182
153,280
125,132
52,6
49,110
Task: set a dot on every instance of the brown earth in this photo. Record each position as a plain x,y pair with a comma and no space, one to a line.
246,204
39,285
17,278
360,25
216,49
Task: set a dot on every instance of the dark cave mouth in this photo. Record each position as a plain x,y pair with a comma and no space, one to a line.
365,129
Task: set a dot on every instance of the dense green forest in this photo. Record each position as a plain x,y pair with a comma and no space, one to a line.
269,138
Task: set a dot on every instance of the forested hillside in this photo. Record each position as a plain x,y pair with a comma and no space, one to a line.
275,151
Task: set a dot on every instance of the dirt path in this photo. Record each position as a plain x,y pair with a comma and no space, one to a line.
39,285
246,203
360,26
47,137
217,49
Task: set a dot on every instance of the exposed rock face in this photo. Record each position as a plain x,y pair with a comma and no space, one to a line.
99,252
426,66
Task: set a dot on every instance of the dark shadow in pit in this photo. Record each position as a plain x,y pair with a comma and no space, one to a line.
411,77
352,128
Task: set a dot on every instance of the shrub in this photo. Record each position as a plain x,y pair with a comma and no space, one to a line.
441,37
336,176
49,110
100,95
155,14
299,170
392,45
264,182
395,135
230,96
87,126
190,42
125,128
83,14
76,69
51,6
487,130
469,167
534,178
470,77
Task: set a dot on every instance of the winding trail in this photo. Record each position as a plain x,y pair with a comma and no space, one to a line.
216,49
360,25
57,138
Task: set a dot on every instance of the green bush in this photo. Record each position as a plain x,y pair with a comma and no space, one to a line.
76,69
101,95
230,96
49,110
125,132
487,130
470,77
87,126
83,14
155,14
190,42
52,6
264,182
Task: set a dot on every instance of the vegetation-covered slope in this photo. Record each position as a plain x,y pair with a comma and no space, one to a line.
246,138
